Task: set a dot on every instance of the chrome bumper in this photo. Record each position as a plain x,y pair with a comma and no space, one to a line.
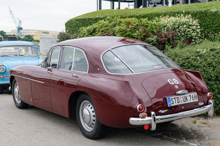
154,120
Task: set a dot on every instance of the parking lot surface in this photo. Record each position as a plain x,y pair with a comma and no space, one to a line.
35,127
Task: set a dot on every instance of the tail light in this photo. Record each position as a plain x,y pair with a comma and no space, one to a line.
209,95
140,108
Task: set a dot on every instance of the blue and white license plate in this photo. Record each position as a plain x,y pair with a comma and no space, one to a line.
182,99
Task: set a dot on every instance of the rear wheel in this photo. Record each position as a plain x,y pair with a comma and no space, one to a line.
16,96
87,119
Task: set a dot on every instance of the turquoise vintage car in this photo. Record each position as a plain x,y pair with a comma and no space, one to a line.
14,53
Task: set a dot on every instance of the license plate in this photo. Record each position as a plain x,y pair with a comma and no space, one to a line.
182,99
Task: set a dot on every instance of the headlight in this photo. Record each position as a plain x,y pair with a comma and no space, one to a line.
2,68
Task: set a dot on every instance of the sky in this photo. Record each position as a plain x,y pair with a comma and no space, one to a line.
45,14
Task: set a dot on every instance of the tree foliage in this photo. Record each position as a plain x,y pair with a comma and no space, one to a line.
27,38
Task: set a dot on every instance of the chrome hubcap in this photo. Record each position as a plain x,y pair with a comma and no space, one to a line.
87,115
16,94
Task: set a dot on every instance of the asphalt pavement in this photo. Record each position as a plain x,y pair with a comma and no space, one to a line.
34,126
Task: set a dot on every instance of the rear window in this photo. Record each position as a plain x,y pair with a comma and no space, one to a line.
135,59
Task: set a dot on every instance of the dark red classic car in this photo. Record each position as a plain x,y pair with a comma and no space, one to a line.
111,81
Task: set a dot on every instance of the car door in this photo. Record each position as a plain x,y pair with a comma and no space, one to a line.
41,89
73,65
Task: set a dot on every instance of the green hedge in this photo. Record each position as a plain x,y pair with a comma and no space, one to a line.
204,58
163,33
208,15
36,41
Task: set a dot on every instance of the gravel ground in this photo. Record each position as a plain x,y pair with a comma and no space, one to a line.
34,126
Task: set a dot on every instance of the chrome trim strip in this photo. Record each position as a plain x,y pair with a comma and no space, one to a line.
29,79
7,82
166,118
122,61
163,111
201,103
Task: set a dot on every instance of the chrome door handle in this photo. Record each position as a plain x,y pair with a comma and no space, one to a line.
75,75
50,72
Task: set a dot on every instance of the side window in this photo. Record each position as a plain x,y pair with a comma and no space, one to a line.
54,57
46,63
80,61
34,53
67,58
30,51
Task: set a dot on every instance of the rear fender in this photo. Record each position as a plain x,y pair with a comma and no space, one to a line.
197,77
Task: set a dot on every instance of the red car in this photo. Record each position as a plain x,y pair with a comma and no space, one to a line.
111,81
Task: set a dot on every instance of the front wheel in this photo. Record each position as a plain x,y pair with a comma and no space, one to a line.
87,119
16,96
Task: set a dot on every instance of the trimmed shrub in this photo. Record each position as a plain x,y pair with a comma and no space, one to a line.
36,41
142,29
101,28
129,27
158,32
208,15
166,39
204,58
62,36
186,27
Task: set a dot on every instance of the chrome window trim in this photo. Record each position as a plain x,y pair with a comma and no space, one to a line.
51,51
123,62
28,79
85,58
61,55
74,52
74,60
110,49
47,58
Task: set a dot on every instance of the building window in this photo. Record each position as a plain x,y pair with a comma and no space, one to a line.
45,32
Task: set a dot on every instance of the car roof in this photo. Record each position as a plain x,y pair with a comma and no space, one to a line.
12,43
94,47
99,44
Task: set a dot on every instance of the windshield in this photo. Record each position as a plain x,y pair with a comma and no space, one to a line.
17,51
136,59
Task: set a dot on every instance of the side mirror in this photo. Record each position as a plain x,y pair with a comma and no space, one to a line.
44,64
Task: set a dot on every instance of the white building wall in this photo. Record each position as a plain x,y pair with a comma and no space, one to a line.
46,43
